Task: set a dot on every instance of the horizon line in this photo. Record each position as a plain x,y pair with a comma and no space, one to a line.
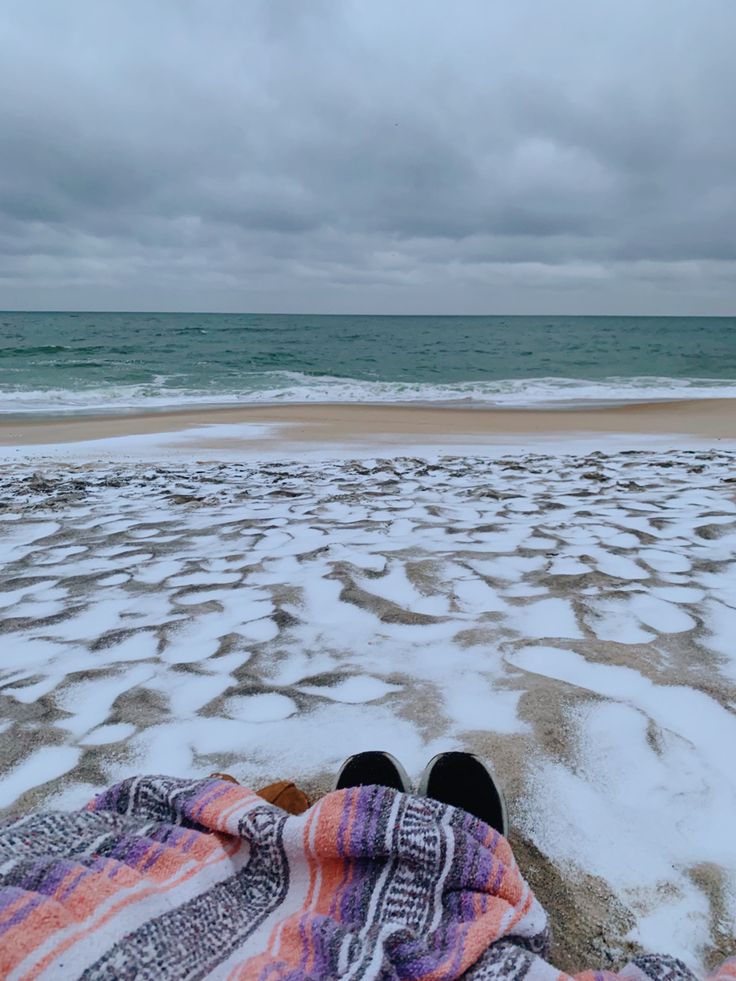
438,316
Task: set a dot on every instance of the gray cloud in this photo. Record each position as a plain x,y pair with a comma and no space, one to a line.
344,155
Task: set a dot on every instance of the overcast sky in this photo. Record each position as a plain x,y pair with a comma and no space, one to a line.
376,156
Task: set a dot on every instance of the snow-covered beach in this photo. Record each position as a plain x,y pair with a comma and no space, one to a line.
567,614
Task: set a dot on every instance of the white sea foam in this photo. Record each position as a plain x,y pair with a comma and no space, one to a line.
294,387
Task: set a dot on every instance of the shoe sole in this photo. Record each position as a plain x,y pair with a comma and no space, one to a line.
427,772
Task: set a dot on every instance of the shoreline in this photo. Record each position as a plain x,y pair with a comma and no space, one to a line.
340,422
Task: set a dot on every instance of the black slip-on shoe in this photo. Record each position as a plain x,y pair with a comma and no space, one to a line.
463,780
373,768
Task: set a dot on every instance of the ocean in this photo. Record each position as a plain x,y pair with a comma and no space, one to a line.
71,363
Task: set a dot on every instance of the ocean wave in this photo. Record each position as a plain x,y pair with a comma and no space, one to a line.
278,387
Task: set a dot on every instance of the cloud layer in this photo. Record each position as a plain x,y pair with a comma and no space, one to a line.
344,155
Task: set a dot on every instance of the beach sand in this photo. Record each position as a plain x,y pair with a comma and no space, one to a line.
567,614
569,617
338,423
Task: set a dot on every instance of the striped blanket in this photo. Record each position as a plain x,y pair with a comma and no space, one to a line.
165,878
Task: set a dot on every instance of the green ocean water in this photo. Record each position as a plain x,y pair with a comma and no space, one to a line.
79,362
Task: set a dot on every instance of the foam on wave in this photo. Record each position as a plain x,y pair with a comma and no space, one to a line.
284,387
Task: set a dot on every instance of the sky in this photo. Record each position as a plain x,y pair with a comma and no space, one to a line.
369,156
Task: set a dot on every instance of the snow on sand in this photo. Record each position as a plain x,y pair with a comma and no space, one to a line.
572,618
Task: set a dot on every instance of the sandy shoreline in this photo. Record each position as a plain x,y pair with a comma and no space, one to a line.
332,423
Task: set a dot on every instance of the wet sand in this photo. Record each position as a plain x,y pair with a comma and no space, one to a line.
337,423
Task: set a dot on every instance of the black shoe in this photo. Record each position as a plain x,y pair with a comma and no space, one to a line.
373,768
462,780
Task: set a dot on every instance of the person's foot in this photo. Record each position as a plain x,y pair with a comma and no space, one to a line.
371,769
462,780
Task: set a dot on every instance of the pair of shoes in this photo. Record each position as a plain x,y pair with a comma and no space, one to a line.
459,779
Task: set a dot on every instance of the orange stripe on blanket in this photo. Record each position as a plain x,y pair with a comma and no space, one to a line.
521,910
228,848
22,939
239,808
311,862
511,886
291,947
67,883
292,950
162,860
10,911
315,872
332,811
50,916
335,875
215,814
253,967
725,972
595,976
476,937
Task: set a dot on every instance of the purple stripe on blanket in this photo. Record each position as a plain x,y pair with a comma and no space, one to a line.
16,918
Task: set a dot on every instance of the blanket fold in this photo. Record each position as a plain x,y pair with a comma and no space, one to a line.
166,878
